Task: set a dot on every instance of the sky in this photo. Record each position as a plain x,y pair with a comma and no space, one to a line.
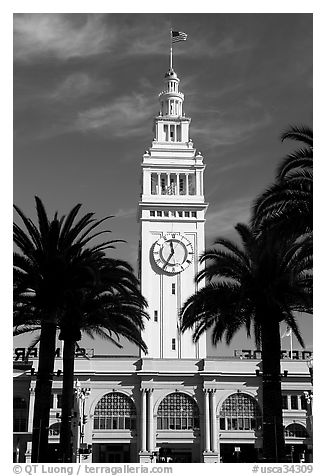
86,90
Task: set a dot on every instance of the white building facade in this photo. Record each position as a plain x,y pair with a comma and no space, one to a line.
175,403
180,410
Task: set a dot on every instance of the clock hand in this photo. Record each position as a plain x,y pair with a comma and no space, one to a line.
168,259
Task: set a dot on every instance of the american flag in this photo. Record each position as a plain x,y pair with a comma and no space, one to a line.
178,36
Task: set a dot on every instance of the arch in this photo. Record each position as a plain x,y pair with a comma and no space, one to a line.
98,398
296,430
226,394
178,411
115,411
185,391
240,412
20,413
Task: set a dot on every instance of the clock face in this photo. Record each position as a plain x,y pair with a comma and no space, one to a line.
173,253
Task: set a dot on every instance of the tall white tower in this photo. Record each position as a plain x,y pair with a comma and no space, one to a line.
172,217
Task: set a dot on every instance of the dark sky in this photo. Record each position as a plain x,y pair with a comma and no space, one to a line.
85,94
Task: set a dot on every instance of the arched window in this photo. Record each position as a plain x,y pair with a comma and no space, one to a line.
20,414
54,430
115,411
178,411
295,431
240,412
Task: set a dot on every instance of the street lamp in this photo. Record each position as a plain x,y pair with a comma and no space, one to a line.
81,394
308,394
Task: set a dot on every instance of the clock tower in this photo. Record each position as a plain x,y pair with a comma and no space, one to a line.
172,217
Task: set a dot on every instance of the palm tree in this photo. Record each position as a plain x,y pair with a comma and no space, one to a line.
105,310
52,266
287,205
255,286
114,306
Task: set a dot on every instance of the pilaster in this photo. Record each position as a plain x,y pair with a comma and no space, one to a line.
150,419
207,424
211,451
146,451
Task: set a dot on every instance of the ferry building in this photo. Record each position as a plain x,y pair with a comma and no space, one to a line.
174,404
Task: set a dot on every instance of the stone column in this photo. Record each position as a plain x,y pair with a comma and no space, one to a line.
207,425
213,420
150,427
178,184
143,419
187,184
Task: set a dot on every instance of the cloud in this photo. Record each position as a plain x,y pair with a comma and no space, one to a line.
63,36
210,48
125,213
229,131
77,85
222,221
128,114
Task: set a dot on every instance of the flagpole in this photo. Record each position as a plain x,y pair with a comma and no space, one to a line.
171,49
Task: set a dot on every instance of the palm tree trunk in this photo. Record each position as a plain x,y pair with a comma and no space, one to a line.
43,391
67,399
273,432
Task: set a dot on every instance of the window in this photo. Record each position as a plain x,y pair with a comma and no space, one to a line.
285,402
178,411
152,213
294,402
20,414
163,184
192,185
155,316
159,213
59,400
173,182
179,127
154,184
295,431
173,214
240,412
173,344
180,213
303,402
194,214
182,185
115,411
173,288
187,214
166,214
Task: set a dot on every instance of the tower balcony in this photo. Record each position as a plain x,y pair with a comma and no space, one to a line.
171,94
173,118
